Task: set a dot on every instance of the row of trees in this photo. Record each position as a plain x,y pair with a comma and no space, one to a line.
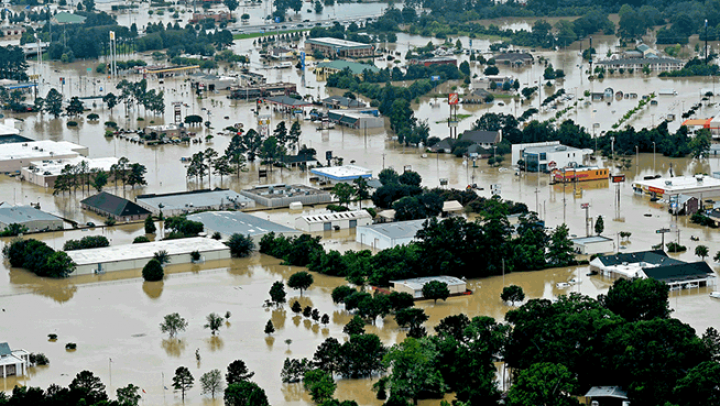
91,241
38,258
74,177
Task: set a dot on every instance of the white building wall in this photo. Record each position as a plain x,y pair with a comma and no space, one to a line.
304,225
600,247
139,263
378,241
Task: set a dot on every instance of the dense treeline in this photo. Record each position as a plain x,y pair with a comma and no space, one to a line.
38,258
450,246
91,241
694,67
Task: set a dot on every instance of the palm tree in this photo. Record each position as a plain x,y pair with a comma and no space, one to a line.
214,322
162,257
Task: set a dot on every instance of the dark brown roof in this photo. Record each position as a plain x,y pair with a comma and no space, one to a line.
114,205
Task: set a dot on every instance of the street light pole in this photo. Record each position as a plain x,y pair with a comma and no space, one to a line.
653,157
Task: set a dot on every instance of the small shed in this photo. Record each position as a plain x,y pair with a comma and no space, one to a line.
452,208
596,244
333,221
607,396
414,286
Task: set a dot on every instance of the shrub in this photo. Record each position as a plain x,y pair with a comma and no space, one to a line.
153,271
336,208
52,336
216,236
195,255
71,346
38,359
141,239
111,124
86,242
240,245
72,123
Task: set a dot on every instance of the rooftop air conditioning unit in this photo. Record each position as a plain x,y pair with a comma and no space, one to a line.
668,183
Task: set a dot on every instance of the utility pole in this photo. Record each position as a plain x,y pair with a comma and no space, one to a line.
662,231
586,207
706,43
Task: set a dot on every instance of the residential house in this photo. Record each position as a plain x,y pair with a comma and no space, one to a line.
14,363
514,59
478,96
114,207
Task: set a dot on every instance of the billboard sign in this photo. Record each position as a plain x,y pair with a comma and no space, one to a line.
585,205
453,99
618,178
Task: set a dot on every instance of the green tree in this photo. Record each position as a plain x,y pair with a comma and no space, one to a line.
211,382
183,381
415,369
240,246
599,225
150,225
327,356
238,372
300,280
245,394
53,103
560,247
75,107
172,324
361,190
544,384
491,70
702,251
153,271
355,326
89,386
412,318
162,257
638,299
277,293
465,68
100,179
700,144
296,307
269,328
701,382
59,265
214,322
362,356
512,293
128,395
340,293
320,384
111,100
232,5
344,193
435,290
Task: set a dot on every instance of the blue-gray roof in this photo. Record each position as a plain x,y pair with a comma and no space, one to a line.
397,230
5,349
23,214
231,222
199,198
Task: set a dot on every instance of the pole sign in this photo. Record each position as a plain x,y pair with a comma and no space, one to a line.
552,165
302,60
585,205
618,178
662,231
434,78
453,99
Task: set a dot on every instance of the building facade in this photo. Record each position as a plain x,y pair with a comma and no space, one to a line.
338,47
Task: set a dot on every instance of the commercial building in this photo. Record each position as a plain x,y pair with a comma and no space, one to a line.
259,90
492,82
514,59
654,63
215,82
12,30
324,69
28,216
14,362
217,17
543,156
115,207
135,256
701,186
173,204
282,195
593,245
228,223
580,174
338,47
45,173
14,156
388,235
345,173
478,96
64,17
657,265
333,221
342,102
171,130
436,60
414,286
359,119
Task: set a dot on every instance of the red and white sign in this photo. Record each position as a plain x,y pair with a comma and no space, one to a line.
618,178
585,205
552,165
453,99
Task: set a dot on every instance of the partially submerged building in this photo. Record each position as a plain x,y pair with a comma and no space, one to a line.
14,156
543,156
595,244
359,119
333,221
136,256
13,362
30,217
345,173
45,173
228,223
701,186
282,195
335,47
173,204
414,286
388,235
114,207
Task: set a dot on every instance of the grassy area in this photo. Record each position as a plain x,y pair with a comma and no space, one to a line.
460,117
267,34
505,96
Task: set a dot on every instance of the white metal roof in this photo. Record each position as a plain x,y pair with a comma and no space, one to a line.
452,205
345,215
38,149
129,252
345,172
680,183
55,166
418,283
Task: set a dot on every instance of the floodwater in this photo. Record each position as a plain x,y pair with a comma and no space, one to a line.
116,316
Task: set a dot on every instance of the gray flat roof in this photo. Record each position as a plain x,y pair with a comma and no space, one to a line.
418,283
398,229
23,214
231,222
550,148
590,240
201,198
129,252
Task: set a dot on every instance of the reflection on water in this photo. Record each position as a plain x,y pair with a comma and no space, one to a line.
174,347
215,343
153,290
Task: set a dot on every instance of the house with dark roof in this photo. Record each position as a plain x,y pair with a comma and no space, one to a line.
514,59
485,139
115,207
698,273
478,96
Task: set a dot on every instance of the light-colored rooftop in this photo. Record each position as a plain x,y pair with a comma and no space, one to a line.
341,43
418,283
345,215
345,172
680,183
590,240
55,166
199,199
231,222
550,148
128,252
23,214
38,149
397,230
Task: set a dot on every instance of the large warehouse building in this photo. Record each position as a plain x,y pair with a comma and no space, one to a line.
135,256
228,223
14,156
173,204
388,235
45,173
337,47
30,217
